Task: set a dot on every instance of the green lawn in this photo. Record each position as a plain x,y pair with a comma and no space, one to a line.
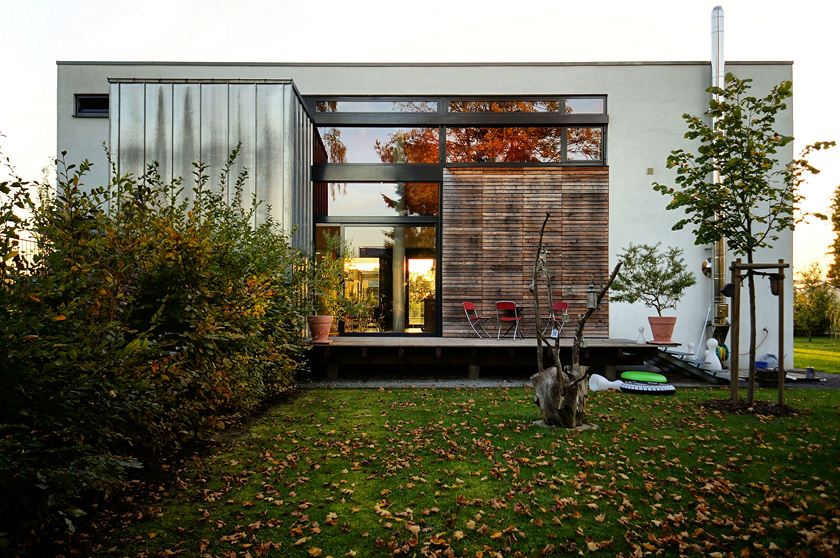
823,353
417,472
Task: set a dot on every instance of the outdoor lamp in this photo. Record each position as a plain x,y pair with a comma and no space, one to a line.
591,296
775,283
728,290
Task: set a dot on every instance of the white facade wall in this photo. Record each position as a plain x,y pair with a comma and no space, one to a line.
645,104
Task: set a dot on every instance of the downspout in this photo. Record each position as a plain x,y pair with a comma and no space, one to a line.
721,308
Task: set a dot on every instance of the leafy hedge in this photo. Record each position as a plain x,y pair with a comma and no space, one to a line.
149,316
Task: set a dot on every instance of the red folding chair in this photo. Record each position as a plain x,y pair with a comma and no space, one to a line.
556,319
507,313
474,320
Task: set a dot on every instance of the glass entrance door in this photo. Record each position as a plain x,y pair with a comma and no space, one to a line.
392,274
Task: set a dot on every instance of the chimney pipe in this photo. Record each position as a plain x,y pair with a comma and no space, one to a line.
718,72
721,308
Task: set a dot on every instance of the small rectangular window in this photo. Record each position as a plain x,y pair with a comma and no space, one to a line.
511,105
584,144
363,105
91,105
585,105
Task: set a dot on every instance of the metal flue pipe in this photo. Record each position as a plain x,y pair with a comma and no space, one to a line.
721,309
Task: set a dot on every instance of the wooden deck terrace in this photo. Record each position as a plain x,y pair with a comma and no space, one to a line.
370,356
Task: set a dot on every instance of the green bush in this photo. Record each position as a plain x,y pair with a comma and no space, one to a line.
147,319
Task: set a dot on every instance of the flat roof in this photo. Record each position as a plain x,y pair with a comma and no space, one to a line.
418,64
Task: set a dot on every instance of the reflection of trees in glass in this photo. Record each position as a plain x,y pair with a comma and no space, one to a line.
421,240
420,287
326,106
504,106
584,143
513,144
421,237
415,106
375,106
503,145
414,198
417,145
335,147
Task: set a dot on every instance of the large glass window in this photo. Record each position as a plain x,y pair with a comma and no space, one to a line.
380,145
394,269
504,145
378,199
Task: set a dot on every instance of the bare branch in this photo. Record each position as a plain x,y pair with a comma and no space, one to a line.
576,374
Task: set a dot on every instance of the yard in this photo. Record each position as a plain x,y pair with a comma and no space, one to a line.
467,473
822,353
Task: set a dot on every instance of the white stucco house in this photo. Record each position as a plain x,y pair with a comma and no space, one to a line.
437,174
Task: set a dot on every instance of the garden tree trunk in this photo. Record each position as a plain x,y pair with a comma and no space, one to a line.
751,294
560,392
562,402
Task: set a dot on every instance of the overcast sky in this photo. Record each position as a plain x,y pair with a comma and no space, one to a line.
36,33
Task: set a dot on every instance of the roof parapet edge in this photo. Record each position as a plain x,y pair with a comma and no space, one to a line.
416,64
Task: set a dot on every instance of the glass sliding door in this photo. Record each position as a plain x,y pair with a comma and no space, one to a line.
394,269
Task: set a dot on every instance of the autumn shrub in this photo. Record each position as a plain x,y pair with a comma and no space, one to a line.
151,315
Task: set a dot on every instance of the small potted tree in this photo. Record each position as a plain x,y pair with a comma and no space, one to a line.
325,289
658,278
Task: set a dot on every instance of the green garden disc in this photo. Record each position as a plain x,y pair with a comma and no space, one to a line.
639,376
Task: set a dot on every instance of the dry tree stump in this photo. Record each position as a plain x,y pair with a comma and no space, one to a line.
560,392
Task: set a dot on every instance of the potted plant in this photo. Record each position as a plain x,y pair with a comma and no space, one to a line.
325,289
658,278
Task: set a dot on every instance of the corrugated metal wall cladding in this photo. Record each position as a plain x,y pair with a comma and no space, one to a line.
186,130
158,128
132,133
242,131
177,124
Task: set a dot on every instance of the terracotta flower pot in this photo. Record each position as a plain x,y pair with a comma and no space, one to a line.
662,328
319,327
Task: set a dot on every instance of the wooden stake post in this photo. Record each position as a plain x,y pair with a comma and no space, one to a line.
736,269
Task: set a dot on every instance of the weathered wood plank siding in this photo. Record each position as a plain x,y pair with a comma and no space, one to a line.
491,221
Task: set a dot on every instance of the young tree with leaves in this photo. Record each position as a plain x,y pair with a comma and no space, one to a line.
757,195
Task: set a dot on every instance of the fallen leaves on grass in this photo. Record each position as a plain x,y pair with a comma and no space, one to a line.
462,472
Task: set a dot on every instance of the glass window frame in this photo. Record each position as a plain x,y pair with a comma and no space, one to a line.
436,129
341,223
561,133
602,98
433,172
397,220
83,105
314,104
377,183
512,99
344,172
